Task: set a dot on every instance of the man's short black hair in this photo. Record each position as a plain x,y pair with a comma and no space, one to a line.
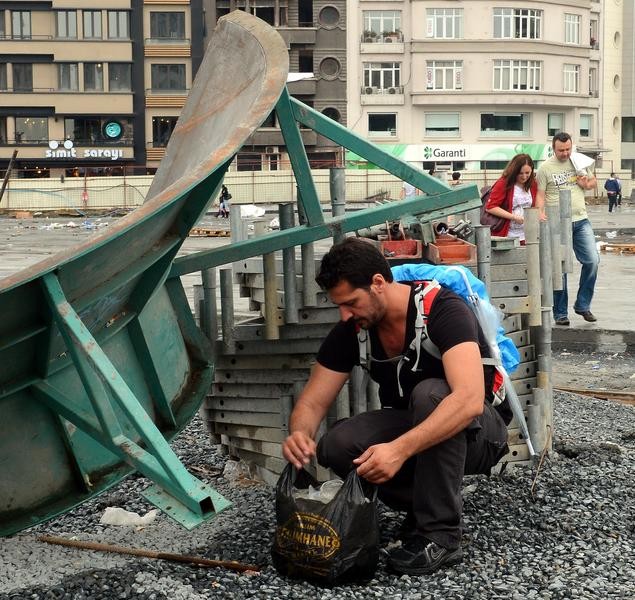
561,136
354,260
456,176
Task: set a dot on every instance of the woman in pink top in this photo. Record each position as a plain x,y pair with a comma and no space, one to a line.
511,195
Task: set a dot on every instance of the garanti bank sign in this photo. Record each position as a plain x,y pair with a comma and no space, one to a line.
67,149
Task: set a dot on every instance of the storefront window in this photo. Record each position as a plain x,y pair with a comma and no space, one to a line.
97,131
29,130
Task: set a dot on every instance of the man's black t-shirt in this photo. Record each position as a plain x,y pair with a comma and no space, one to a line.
450,322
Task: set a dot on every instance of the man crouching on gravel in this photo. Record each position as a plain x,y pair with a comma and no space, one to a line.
436,422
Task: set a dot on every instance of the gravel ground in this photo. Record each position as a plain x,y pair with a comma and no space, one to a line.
573,537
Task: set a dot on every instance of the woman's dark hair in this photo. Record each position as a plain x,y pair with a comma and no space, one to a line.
513,168
354,260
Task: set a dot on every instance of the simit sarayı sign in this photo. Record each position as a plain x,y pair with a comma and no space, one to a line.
67,150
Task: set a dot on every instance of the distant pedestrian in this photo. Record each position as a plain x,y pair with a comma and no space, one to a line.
223,199
613,189
456,178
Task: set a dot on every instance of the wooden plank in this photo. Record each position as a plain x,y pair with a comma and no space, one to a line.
618,248
209,232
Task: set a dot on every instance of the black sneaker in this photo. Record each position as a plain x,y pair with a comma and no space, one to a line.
419,556
562,321
587,315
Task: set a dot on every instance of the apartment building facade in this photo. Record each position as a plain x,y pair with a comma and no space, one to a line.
315,33
468,84
92,89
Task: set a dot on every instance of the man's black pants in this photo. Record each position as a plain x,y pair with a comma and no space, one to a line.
428,484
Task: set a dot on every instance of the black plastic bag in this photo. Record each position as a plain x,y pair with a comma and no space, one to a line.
326,543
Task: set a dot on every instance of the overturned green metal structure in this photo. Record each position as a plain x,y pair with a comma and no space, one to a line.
101,362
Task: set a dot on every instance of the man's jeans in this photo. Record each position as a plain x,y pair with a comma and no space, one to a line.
587,254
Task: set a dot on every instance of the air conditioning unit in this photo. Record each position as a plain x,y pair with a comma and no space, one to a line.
369,90
393,90
271,149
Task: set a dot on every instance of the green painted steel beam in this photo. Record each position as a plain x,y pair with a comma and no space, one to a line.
374,154
192,503
307,196
461,199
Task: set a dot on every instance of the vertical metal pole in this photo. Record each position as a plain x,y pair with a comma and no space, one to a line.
287,220
532,242
553,219
237,225
309,287
358,390
210,308
271,287
337,187
484,254
227,310
566,232
197,290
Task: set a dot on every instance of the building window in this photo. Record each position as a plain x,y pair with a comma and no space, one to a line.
572,79
593,81
443,124
91,131
22,77
93,77
517,75
593,33
586,126
517,23
31,130
246,161
21,24
382,124
505,124
67,77
444,23
162,128
167,25
628,129
3,130
555,123
119,77
92,24
382,26
572,29
444,75
67,24
118,25
4,85
168,77
382,76
3,31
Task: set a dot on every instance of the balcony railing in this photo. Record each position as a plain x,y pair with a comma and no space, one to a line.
167,92
386,37
395,89
165,41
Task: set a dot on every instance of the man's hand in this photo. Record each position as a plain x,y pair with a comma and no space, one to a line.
298,449
379,463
